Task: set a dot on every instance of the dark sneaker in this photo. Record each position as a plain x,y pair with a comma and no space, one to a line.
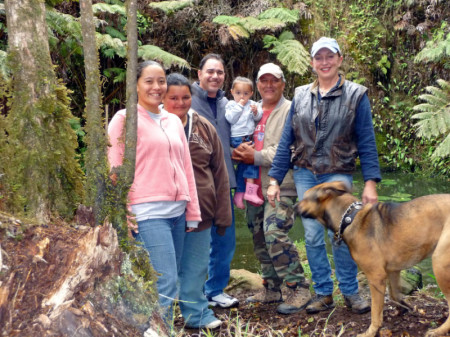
265,295
358,304
320,303
297,298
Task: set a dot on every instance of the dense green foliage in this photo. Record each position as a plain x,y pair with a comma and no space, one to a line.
398,49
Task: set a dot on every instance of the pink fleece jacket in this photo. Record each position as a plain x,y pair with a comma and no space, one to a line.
163,163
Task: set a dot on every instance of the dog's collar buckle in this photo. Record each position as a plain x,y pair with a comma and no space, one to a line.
347,219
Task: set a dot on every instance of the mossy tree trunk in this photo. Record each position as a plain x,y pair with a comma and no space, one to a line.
43,173
96,162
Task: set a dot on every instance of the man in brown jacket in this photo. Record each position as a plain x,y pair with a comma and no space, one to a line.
269,225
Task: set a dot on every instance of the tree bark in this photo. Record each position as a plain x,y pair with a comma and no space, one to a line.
96,161
42,172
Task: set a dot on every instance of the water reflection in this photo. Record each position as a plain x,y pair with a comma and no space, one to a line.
396,187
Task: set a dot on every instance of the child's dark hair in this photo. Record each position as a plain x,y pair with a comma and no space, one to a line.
179,80
142,65
241,79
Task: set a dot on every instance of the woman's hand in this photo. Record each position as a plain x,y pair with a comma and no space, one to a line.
190,229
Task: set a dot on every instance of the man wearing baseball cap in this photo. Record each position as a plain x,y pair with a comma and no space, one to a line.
270,225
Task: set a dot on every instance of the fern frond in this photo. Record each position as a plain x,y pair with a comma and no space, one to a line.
111,46
237,31
119,74
171,6
286,35
434,115
227,20
149,52
285,15
434,51
292,55
115,33
443,149
63,24
107,8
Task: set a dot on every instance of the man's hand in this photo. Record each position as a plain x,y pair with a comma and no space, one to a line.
273,192
370,194
244,153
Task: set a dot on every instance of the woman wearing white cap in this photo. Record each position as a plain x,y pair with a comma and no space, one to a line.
329,126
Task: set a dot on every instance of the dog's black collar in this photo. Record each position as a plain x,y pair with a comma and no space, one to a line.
347,219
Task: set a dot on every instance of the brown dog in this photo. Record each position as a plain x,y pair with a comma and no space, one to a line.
385,238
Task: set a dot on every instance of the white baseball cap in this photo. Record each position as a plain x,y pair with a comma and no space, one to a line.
325,42
270,68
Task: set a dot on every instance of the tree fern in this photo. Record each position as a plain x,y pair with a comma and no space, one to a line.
434,116
436,49
171,6
283,14
272,19
107,8
149,52
110,46
290,52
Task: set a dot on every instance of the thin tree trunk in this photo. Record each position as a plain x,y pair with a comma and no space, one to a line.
131,120
96,161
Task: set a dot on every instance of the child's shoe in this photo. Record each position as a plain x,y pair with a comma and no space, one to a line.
251,194
238,200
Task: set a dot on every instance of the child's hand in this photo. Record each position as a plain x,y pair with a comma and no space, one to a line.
254,109
243,101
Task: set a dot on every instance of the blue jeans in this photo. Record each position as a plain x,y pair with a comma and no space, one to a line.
345,267
222,252
164,239
192,276
243,170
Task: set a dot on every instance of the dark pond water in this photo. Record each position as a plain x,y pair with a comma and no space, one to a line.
396,187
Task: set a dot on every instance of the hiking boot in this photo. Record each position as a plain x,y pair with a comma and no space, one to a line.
320,303
358,304
266,296
297,298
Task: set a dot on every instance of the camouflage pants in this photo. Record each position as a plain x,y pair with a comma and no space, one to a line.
274,249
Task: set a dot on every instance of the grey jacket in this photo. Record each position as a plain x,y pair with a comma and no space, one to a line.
201,106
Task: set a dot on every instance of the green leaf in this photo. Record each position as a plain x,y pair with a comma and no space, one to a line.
149,52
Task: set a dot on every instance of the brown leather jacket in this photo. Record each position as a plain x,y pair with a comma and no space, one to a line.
210,171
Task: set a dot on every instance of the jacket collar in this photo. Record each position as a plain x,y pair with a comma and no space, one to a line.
202,93
280,103
336,91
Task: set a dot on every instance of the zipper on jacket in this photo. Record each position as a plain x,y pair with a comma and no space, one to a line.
170,156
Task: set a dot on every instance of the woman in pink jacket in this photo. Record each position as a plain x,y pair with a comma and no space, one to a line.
163,196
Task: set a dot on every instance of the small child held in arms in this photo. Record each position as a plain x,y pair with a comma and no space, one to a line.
242,113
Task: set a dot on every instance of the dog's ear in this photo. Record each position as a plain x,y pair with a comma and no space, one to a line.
333,189
341,187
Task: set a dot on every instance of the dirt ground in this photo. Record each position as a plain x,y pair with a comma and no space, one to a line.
25,281
264,321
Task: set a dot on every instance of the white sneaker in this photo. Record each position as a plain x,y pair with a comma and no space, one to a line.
213,325
224,301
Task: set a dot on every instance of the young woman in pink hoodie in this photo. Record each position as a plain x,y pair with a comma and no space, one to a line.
163,196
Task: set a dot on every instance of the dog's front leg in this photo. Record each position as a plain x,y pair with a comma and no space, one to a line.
377,290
